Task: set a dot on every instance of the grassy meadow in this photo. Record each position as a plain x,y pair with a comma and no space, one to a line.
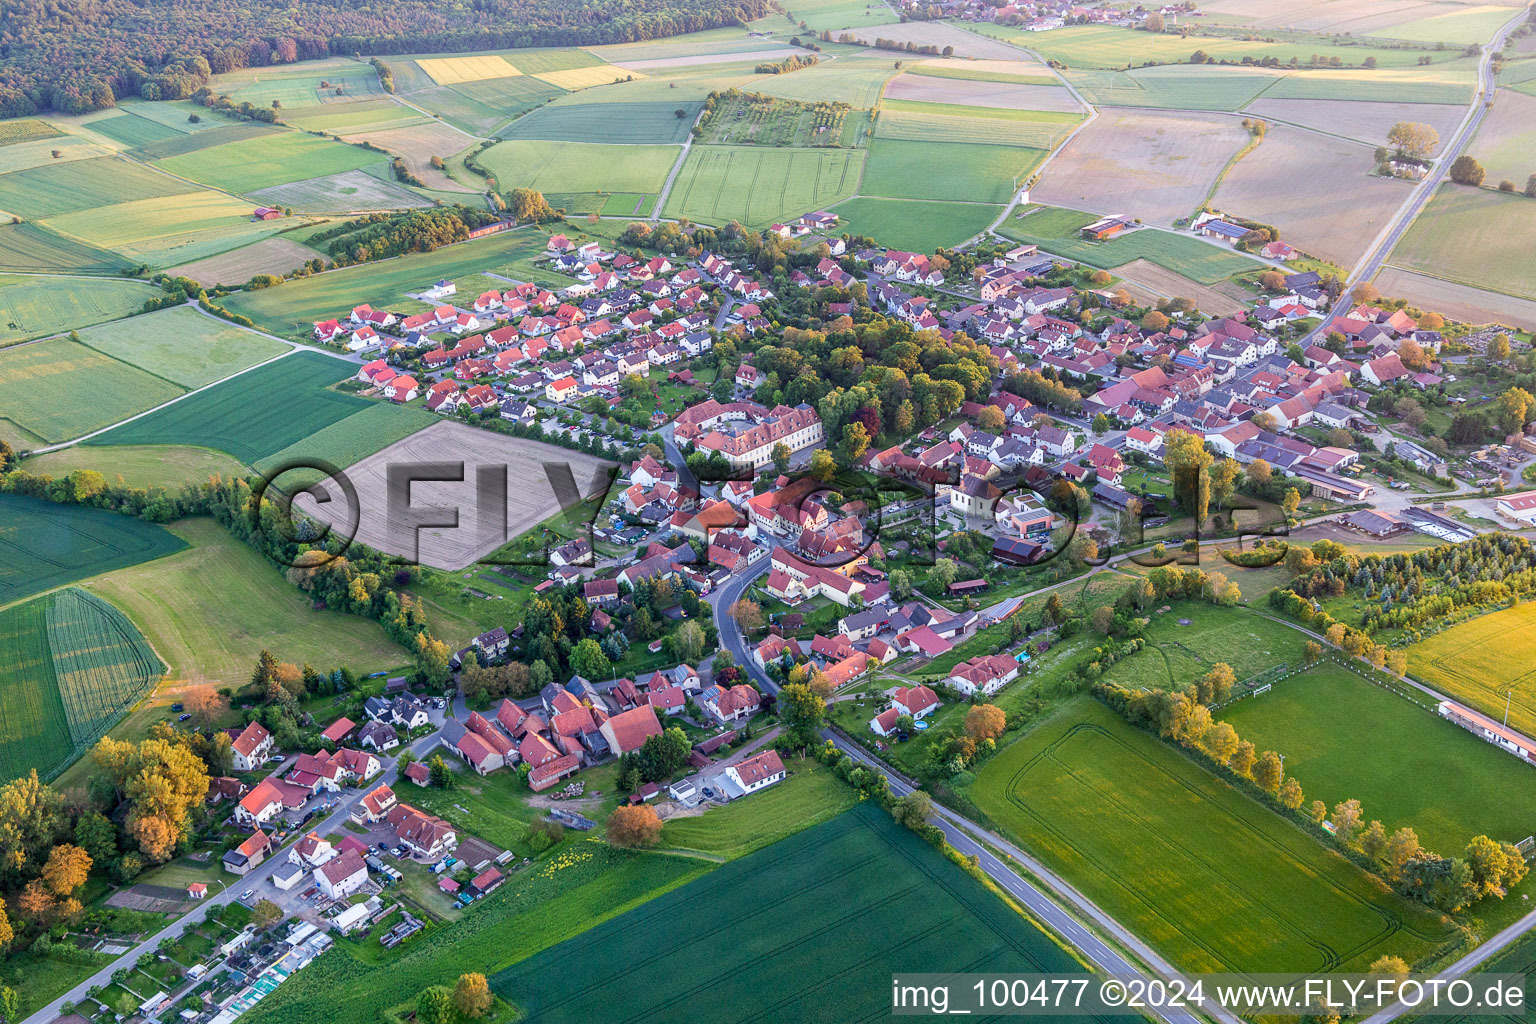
43,545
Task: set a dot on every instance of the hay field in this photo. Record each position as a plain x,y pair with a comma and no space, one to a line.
1506,140
1163,283
585,78
72,185
268,160
1457,301
950,171
34,306
59,389
719,184
531,498
1365,121
579,166
1458,24
417,145
1475,237
44,545
182,345
169,250
1316,189
341,193
140,220
1157,166
453,70
1344,737
973,93
269,256
914,224
1212,879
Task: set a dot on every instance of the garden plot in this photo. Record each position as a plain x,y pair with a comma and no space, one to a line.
1365,121
530,498
341,193
1152,165
973,93
1317,190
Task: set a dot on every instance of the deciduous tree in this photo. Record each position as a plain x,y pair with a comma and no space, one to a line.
985,722
472,996
633,826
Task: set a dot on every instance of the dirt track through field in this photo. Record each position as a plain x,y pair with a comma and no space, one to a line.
533,471
1317,190
1155,165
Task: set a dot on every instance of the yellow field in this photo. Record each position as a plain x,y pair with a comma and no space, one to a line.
583,78
159,217
454,70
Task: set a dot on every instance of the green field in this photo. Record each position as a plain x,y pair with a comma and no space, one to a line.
1483,661
342,118
811,794
606,122
211,609
1449,82
154,465
628,204
254,415
480,107
1476,24
1176,656
292,308
959,70
912,224
377,425
854,79
133,131
820,15
70,666
301,86
1179,86
1057,231
35,249
220,135
43,545
1212,879
268,160
80,184
31,307
946,171
806,930
1345,738
182,345
59,389
988,126
719,184
341,193
1475,237
578,166
1107,46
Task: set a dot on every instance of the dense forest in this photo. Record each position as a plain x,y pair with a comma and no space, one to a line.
78,55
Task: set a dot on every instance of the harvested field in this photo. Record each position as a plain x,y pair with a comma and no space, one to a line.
453,70
341,193
417,146
703,59
1157,166
1506,140
1457,301
1362,120
585,78
1336,215
530,497
1476,237
1165,284
268,256
971,93
940,34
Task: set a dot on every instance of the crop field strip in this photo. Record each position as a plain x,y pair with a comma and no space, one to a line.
101,663
759,186
1118,813
834,881
34,727
82,184
32,307
44,545
45,379
26,129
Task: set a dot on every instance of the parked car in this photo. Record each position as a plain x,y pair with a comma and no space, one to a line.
184,717
247,894
177,706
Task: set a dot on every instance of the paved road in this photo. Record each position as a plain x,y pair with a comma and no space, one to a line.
254,880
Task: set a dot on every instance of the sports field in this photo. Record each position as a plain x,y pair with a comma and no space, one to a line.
268,160
211,609
59,389
1483,662
1475,237
157,465
183,345
70,666
31,307
1213,880
805,930
578,166
72,185
719,184
253,415
1177,655
292,309
1345,738
1056,230
43,545
914,224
